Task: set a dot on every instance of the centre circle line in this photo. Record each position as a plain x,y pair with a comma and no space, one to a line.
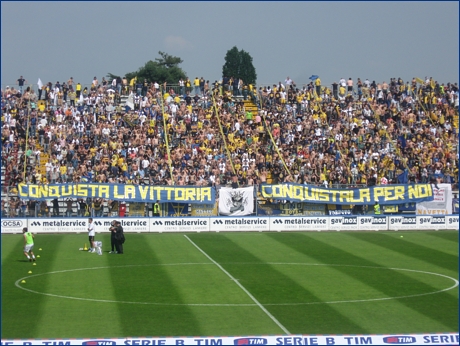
17,284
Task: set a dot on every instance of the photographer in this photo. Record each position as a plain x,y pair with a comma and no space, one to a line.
113,231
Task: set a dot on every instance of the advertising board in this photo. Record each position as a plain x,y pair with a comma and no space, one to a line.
296,339
349,223
313,223
130,225
396,223
13,225
372,223
222,224
435,222
276,223
335,223
58,225
173,224
452,222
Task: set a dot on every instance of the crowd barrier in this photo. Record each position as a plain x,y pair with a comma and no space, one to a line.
237,224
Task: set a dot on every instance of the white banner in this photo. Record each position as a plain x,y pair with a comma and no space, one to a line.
236,202
292,223
442,203
13,225
388,339
220,224
372,223
396,223
174,224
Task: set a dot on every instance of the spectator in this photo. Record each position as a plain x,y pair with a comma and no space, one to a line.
334,136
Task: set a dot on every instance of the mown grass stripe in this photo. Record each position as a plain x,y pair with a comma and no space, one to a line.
316,247
450,236
313,319
283,328
428,240
74,322
408,248
19,306
138,320
207,283
13,243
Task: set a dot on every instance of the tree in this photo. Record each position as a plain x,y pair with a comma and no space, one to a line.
238,64
164,69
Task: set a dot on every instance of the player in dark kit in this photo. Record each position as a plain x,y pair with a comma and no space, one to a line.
113,231
119,238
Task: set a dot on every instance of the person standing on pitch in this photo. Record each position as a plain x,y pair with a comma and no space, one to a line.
28,244
113,232
91,234
119,238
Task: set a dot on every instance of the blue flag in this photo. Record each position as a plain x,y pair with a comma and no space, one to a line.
403,178
403,141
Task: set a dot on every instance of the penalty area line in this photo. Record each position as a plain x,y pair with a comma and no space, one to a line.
283,328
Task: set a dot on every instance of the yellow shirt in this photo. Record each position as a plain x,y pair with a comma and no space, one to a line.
323,117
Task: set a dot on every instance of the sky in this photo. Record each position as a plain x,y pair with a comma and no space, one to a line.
56,40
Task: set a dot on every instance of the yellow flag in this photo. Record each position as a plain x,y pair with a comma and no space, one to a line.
433,84
419,80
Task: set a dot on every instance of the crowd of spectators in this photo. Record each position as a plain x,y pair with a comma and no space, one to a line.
347,134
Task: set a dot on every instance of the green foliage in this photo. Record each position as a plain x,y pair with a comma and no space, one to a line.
111,76
163,69
238,64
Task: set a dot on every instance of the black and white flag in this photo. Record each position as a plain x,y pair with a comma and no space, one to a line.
235,202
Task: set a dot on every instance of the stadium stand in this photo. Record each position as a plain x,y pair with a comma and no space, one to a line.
373,133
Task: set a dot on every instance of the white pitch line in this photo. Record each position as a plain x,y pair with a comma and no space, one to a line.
456,284
283,328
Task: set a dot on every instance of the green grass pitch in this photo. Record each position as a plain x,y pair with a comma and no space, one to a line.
230,284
